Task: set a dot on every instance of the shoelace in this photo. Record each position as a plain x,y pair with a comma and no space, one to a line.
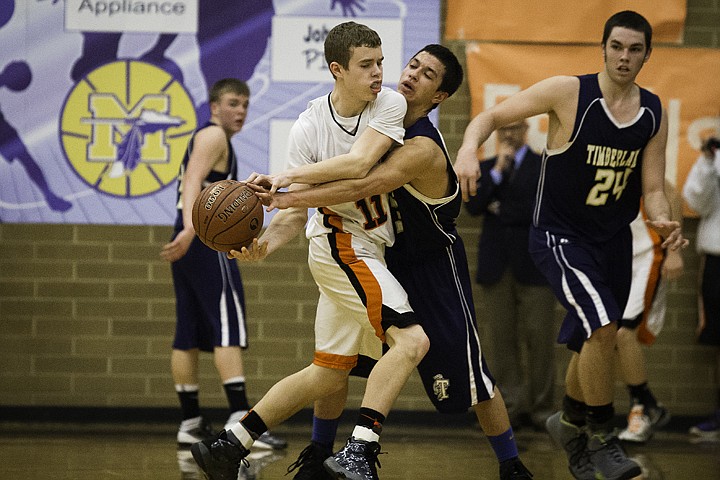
372,454
579,454
305,457
616,451
237,463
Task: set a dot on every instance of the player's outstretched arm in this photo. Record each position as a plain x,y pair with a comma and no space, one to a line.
554,95
402,166
364,154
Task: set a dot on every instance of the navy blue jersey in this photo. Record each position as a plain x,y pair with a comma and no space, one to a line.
209,296
591,186
213,176
431,221
428,259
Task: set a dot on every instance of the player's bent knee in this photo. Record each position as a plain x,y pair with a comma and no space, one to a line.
412,341
606,335
625,336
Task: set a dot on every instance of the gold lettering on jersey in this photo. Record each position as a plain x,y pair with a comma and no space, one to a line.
600,156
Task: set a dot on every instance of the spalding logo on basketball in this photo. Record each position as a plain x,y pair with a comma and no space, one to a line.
227,215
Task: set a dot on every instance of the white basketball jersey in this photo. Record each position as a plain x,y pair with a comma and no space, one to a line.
320,133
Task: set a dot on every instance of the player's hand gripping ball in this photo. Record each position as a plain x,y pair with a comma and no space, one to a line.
227,215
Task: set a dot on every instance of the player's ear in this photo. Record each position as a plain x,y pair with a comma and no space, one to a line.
439,97
647,55
214,106
336,69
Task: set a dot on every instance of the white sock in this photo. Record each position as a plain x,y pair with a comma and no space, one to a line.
187,387
241,434
364,433
238,379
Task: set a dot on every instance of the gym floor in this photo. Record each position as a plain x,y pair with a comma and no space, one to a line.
57,451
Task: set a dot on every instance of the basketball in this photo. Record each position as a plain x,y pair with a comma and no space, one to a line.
227,215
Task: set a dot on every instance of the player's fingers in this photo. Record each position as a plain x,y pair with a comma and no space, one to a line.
255,187
465,188
472,187
264,197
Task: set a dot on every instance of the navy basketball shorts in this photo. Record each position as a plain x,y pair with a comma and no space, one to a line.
209,300
591,280
453,372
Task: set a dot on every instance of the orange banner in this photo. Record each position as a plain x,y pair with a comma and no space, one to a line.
557,20
684,78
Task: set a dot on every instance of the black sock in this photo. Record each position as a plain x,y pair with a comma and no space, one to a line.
599,417
575,411
236,396
370,419
641,394
254,424
189,404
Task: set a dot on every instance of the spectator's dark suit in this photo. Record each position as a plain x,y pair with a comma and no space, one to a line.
516,304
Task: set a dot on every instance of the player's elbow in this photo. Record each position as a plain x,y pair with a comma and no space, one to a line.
358,166
359,169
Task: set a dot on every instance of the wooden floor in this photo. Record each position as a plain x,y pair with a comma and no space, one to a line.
140,452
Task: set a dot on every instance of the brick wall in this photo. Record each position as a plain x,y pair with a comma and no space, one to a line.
87,312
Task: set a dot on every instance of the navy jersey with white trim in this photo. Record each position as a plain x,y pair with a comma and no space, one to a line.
213,176
591,186
424,224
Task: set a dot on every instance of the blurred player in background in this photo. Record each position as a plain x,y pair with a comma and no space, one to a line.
605,149
653,266
210,303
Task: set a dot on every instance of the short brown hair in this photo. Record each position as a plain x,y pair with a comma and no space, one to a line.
228,85
343,38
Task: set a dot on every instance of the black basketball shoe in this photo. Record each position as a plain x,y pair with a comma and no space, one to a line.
219,458
514,470
356,461
309,464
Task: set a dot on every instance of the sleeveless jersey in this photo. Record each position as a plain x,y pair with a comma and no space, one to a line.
426,224
591,186
320,133
213,176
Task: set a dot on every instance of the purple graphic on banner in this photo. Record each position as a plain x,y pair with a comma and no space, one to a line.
16,76
104,116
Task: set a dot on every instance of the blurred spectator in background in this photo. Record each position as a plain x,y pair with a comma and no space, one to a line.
702,193
517,304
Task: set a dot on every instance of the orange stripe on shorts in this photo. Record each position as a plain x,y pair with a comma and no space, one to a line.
331,360
367,281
